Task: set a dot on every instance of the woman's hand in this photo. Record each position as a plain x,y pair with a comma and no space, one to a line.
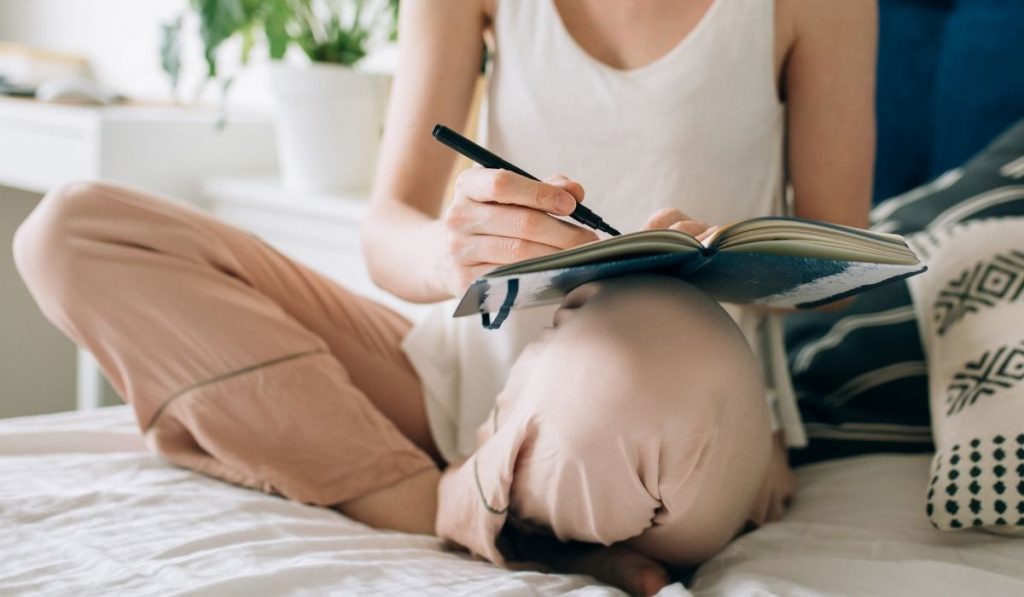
777,489
673,219
499,217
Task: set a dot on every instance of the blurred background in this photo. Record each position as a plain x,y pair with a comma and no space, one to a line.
120,38
268,113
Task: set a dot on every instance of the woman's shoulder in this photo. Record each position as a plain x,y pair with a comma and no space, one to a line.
814,24
796,20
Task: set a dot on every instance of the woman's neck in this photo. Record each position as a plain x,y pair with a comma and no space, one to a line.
629,35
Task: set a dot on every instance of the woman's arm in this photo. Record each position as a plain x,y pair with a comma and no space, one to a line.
439,60
827,72
495,217
829,86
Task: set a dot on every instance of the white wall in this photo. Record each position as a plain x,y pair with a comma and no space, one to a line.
37,363
122,39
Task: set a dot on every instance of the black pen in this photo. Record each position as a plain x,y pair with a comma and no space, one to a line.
487,159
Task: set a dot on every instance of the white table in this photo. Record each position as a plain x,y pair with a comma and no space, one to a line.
164,149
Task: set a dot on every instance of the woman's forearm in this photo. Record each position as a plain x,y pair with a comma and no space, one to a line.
404,251
439,62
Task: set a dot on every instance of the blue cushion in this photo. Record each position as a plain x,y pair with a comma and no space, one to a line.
949,80
859,373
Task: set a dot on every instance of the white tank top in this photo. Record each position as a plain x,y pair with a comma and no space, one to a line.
699,129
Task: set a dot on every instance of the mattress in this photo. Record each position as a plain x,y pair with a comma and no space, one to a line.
86,510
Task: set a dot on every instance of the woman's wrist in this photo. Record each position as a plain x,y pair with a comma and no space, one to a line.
405,256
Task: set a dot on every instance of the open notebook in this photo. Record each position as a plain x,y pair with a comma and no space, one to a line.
772,261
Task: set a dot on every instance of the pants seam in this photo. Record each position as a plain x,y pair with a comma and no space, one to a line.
224,376
480,489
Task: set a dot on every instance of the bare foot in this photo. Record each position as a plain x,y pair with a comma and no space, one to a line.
617,565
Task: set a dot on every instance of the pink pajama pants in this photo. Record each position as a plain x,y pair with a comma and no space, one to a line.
632,419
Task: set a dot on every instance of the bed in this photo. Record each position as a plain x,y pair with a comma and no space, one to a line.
86,509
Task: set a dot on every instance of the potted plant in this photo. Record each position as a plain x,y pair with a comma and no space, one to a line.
329,113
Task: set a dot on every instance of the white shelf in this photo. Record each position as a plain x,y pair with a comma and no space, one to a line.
166,149
162,149
320,231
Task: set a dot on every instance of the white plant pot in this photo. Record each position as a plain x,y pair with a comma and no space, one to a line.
329,122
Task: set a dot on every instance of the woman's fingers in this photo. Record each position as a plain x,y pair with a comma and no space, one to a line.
501,203
526,224
564,182
691,227
663,218
486,185
498,217
704,235
674,219
481,249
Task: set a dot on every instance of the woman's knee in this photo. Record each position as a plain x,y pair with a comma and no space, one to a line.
45,244
697,409
651,347
642,388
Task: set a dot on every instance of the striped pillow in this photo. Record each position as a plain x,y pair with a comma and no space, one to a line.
860,374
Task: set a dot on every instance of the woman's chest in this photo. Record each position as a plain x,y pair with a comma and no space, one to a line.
628,36
700,130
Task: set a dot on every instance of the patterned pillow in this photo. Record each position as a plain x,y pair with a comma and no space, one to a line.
970,308
860,373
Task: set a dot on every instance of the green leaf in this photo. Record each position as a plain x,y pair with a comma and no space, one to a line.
170,51
275,26
218,21
248,40
323,30
393,26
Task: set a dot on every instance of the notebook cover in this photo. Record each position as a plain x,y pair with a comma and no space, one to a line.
728,276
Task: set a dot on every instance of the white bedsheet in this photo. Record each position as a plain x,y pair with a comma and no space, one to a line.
85,510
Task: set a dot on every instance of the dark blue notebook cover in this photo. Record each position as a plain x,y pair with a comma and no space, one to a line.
730,276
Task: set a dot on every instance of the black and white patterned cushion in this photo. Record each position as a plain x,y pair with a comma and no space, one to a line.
860,373
970,309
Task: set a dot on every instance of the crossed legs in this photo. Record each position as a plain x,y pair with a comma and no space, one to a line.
238,362
638,417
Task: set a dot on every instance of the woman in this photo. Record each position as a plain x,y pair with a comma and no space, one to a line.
625,429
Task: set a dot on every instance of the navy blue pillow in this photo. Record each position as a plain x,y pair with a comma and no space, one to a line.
948,82
859,373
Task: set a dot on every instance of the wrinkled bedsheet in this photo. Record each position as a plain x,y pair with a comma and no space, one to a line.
86,510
